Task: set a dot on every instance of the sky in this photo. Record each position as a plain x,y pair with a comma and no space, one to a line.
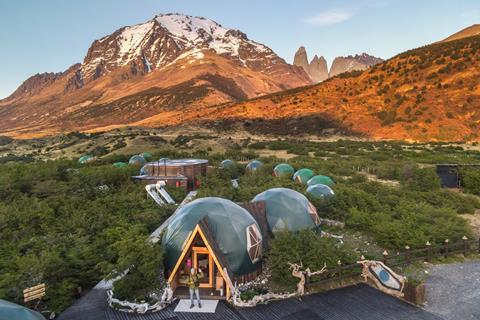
51,35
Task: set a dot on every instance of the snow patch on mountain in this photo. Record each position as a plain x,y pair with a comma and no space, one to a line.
152,45
130,41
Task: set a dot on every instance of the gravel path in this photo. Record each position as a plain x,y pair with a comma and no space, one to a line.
453,291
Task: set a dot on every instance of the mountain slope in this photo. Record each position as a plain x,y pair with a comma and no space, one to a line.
429,93
473,30
169,55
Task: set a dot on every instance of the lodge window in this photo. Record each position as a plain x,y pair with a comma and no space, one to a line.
254,243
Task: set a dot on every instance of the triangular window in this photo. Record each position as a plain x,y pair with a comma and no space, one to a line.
254,243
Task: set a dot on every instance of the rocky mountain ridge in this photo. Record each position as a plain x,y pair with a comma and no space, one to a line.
318,71
159,56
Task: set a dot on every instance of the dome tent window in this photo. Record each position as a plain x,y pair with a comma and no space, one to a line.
254,243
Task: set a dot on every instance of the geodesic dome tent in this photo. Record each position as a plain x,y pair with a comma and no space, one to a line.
283,170
231,227
253,166
227,163
321,180
120,164
146,155
12,311
303,175
288,209
86,159
320,191
137,160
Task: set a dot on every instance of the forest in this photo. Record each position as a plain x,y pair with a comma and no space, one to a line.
71,225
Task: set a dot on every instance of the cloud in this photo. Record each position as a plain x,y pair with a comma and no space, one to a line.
330,17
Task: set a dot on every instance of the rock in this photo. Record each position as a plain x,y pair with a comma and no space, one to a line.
352,63
318,69
301,59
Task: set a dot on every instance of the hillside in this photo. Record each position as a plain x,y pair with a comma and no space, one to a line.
429,93
471,31
164,65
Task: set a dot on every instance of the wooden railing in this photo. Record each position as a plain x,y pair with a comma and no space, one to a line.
428,253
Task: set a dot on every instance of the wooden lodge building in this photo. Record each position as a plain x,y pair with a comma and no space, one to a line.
181,173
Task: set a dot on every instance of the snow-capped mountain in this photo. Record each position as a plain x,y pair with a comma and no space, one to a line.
160,41
137,73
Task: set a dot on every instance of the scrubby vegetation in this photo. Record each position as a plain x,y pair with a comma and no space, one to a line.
70,225
307,248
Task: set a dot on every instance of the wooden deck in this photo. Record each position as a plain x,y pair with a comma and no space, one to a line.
359,302
205,293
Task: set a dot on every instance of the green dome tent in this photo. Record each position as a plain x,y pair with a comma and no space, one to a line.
253,166
283,170
303,175
12,311
137,160
320,191
227,163
288,209
86,159
146,155
228,223
120,164
321,180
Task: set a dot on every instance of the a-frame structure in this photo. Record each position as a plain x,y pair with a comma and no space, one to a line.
200,248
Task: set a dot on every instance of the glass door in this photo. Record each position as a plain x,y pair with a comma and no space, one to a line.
203,261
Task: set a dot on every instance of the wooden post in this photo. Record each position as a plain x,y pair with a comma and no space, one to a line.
307,282
339,268
478,245
446,248
465,246
429,251
385,257
407,255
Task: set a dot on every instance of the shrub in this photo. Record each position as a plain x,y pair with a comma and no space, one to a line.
304,247
144,260
424,179
471,180
410,224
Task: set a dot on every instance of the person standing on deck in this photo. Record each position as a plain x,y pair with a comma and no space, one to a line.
194,285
